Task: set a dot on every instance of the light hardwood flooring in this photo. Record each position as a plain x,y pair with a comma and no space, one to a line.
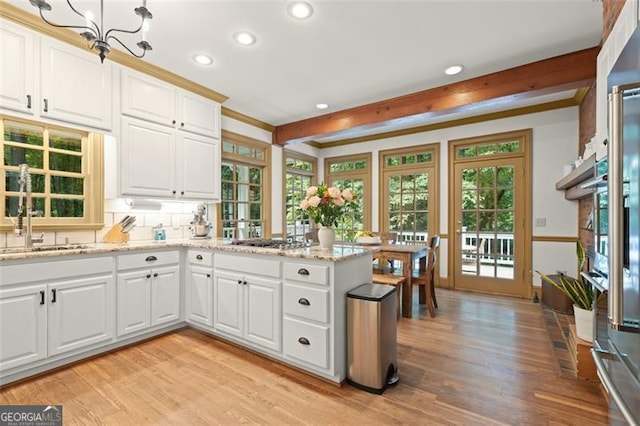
482,360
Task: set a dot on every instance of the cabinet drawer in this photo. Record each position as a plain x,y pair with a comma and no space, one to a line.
249,265
148,259
315,274
306,342
200,257
55,269
305,302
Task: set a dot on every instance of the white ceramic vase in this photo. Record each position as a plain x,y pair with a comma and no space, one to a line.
584,323
326,237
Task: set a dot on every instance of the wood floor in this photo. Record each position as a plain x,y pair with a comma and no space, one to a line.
482,360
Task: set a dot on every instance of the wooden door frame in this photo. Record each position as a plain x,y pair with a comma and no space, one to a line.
525,137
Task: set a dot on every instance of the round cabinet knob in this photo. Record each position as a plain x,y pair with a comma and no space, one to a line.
148,275
155,275
208,275
181,124
174,192
173,121
239,281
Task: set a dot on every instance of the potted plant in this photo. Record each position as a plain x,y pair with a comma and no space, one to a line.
581,295
326,205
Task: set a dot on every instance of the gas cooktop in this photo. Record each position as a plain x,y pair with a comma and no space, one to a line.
268,243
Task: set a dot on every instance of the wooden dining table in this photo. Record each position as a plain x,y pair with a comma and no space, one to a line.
407,254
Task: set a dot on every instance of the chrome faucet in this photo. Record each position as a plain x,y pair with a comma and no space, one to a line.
25,208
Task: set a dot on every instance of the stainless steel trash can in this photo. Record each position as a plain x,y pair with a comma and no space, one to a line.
371,337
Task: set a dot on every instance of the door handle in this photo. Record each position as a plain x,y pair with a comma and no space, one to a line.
46,105
28,101
42,297
53,295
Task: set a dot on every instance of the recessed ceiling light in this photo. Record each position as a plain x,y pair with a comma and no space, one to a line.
453,70
245,38
203,59
300,9
322,106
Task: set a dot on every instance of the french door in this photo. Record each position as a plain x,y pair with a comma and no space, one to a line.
489,224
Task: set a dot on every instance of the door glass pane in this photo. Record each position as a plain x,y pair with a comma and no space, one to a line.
487,221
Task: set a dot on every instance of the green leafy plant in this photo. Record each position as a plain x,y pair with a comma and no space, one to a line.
579,292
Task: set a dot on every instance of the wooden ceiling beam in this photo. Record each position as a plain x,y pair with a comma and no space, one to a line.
565,72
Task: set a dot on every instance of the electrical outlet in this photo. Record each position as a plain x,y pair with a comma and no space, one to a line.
541,221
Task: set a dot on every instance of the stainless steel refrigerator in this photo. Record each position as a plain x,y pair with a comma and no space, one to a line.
617,331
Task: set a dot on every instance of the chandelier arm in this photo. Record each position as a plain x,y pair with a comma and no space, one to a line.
69,26
80,14
107,36
128,50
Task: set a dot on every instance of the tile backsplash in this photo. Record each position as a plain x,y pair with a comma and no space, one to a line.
175,218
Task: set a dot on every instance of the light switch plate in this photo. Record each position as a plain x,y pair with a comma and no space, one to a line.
541,221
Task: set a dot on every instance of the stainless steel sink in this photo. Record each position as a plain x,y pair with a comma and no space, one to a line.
14,250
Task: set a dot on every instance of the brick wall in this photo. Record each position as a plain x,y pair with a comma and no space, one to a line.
587,118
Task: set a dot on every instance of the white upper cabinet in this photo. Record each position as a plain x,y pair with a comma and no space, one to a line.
147,98
150,99
198,115
198,167
147,159
75,87
17,65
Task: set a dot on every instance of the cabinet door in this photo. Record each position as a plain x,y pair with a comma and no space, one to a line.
263,312
17,65
199,296
147,98
198,167
23,326
165,295
147,159
134,302
75,86
228,303
198,115
81,313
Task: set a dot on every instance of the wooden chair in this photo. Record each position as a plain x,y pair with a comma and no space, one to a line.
394,280
425,278
387,238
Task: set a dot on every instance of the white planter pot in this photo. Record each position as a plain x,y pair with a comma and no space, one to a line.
584,323
326,237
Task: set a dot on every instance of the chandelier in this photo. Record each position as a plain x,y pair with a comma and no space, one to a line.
96,36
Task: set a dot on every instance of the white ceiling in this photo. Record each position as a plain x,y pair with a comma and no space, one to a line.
348,53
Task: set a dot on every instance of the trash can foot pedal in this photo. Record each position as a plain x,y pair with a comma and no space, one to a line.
393,379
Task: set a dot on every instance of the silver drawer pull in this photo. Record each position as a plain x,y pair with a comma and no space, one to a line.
304,341
304,301
303,271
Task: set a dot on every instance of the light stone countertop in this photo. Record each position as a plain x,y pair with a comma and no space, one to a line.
338,253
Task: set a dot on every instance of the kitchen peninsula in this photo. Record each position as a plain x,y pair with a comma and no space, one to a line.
63,304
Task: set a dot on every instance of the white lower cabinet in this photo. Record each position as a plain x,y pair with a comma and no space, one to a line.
148,291
249,307
199,296
80,313
198,291
23,326
54,307
148,298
